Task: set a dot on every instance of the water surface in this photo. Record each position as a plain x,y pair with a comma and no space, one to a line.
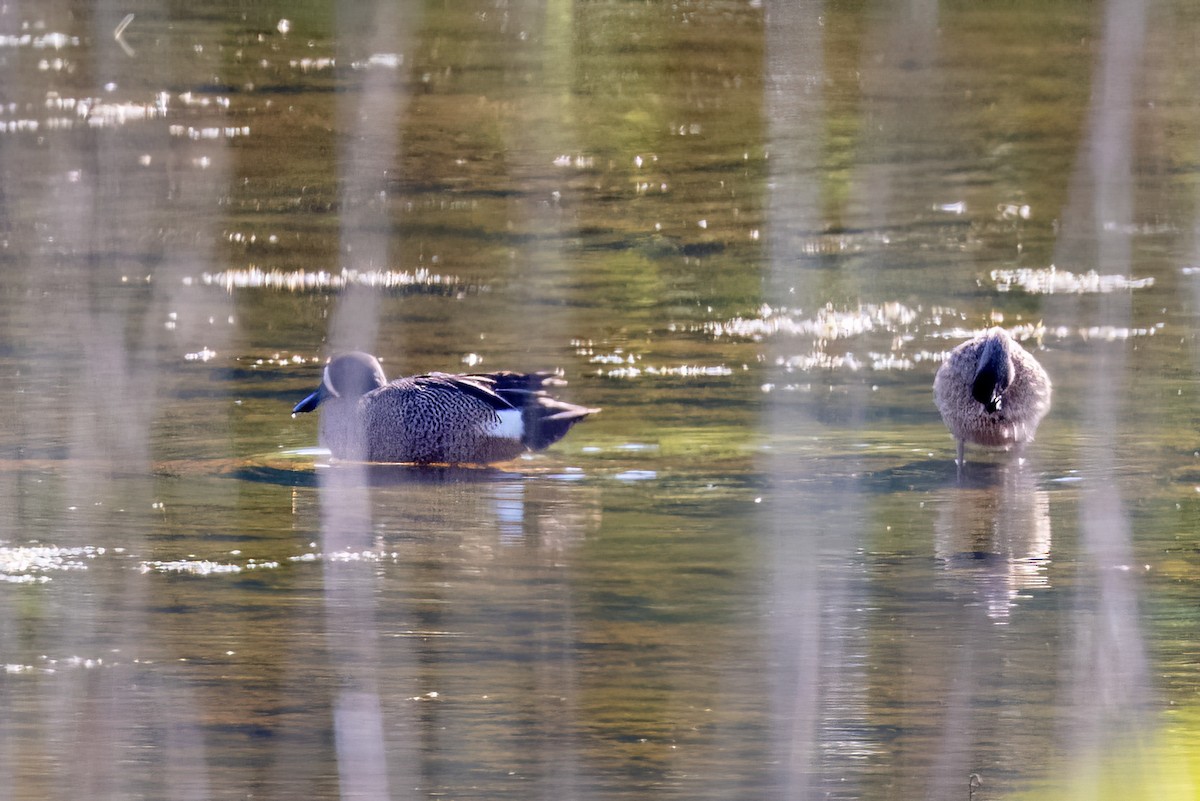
747,231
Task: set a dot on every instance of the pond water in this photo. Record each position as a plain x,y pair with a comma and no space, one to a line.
748,231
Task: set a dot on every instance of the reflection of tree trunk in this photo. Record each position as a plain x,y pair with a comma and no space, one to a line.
816,686
796,592
351,590
370,114
87,347
1108,673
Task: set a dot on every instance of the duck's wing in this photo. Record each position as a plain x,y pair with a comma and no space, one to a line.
480,387
525,390
502,390
545,419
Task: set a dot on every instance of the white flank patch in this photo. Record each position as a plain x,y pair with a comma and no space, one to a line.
509,427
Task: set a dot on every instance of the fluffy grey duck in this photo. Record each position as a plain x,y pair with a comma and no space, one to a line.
437,418
991,391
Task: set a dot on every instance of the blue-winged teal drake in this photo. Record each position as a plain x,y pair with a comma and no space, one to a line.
437,418
991,391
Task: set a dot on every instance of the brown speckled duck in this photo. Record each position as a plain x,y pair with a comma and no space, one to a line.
437,418
991,391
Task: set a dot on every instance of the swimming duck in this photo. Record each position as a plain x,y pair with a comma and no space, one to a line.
437,418
991,391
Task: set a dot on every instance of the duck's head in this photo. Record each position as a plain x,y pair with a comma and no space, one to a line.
350,375
994,373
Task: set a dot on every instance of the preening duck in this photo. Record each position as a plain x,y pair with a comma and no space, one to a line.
991,391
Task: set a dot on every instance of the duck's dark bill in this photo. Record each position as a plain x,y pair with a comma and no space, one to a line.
308,404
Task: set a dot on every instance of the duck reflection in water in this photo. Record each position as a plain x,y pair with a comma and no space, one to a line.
437,418
996,534
991,391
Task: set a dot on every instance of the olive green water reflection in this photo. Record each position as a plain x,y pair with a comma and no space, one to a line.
746,231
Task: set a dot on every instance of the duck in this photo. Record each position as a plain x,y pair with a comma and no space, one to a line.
436,418
990,391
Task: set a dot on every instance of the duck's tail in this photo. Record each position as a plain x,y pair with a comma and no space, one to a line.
548,420
545,419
